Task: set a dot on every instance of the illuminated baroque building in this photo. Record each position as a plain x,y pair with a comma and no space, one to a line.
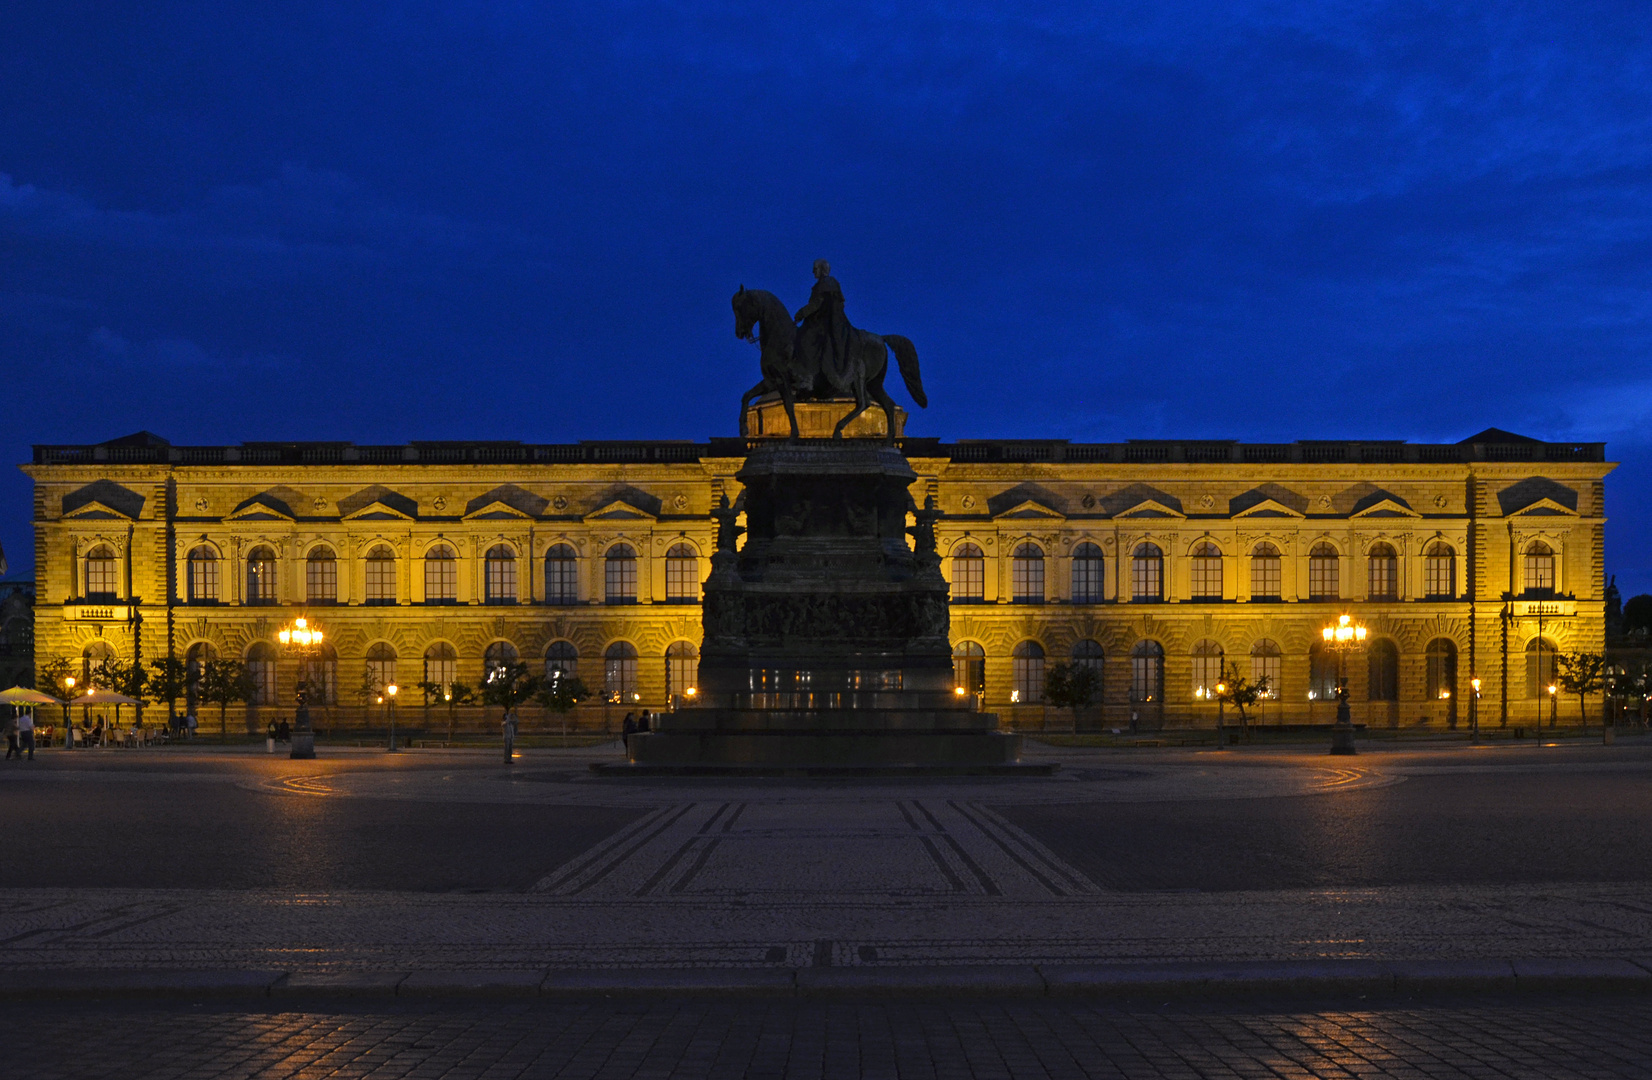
1163,564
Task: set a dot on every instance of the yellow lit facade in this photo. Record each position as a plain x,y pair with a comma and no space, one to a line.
1170,566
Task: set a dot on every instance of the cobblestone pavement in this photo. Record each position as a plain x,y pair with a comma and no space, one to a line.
446,862
1550,1038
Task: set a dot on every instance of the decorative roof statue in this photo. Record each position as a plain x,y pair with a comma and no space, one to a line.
827,358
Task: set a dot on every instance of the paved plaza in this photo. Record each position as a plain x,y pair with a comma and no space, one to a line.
452,873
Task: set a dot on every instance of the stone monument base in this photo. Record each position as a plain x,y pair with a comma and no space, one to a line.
729,741
766,418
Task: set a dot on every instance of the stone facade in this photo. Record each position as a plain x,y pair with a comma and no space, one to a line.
116,523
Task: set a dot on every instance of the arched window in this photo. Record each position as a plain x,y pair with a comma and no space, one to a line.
1207,669
1147,672
500,574
619,673
561,575
1383,670
203,575
969,573
682,667
1088,582
1324,578
499,655
261,669
441,668
1265,664
1382,573
321,576
682,575
1442,670
381,664
1440,571
1539,567
1027,574
619,575
441,576
1322,673
1264,572
94,666
261,576
318,677
969,668
1206,571
381,575
1540,668
1146,574
1028,661
100,574
561,659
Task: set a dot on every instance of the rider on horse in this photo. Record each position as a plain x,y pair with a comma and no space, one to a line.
825,327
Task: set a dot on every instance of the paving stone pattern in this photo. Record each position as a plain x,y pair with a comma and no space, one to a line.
1554,1039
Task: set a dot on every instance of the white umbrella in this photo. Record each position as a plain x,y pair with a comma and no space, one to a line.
22,695
101,696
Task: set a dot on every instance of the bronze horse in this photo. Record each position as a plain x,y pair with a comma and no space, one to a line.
797,378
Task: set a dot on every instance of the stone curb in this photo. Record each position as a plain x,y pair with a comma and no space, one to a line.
1190,979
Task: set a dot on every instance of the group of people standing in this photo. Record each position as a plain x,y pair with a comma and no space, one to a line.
636,725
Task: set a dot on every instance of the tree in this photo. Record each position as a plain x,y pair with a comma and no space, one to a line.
1583,673
1071,686
123,678
224,682
169,680
508,685
53,680
454,695
560,693
1241,693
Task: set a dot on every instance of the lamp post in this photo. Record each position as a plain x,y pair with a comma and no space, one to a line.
1343,637
305,641
1552,707
1474,711
390,708
1221,694
68,727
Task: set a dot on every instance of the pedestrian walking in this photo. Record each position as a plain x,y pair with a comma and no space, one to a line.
189,726
11,739
628,728
510,734
25,733
283,731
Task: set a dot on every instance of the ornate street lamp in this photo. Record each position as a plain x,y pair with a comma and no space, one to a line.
1474,710
304,641
390,706
1343,637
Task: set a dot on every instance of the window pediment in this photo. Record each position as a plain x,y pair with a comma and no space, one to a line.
1150,508
506,501
619,510
378,511
1545,508
103,499
262,507
1386,507
497,511
1268,508
1030,508
378,503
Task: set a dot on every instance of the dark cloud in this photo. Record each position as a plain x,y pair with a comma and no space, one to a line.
1266,220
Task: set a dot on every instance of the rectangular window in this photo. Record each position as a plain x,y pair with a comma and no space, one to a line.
1266,667
1207,672
1029,680
100,577
620,580
1324,582
1146,579
1539,573
321,581
561,581
501,581
1087,581
203,580
1440,575
1206,575
1146,678
1384,578
263,681
682,579
261,581
441,580
1265,577
440,672
968,579
1027,580
381,581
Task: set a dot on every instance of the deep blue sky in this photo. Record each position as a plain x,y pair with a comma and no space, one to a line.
1097,221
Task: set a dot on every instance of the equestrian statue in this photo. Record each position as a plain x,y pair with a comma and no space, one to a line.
817,355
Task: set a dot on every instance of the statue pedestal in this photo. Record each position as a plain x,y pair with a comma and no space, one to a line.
766,418
826,636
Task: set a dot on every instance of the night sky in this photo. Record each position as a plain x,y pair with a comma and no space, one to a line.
396,221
